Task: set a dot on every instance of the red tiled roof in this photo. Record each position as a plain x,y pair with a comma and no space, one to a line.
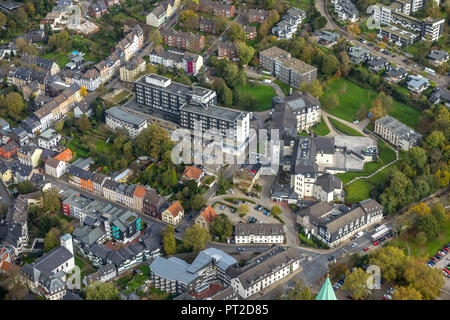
139,191
66,154
208,214
175,208
192,172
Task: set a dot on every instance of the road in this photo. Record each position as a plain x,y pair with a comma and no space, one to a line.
321,6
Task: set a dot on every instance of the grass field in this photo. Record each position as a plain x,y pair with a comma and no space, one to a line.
262,93
321,129
344,129
352,97
283,86
431,247
358,191
60,58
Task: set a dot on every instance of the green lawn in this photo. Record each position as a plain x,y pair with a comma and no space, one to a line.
321,129
358,191
352,97
262,93
77,147
60,58
344,129
283,86
431,247
79,262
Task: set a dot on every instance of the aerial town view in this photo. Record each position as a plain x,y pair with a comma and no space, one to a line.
246,150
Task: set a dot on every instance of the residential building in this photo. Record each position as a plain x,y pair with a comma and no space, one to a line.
205,217
377,64
183,40
29,155
395,74
265,269
227,50
50,66
257,15
189,62
289,23
328,38
9,150
55,168
250,32
193,173
438,57
118,118
175,276
397,133
65,156
138,198
301,106
357,55
163,11
103,274
259,233
174,214
154,204
286,68
417,83
207,25
440,95
80,178
132,68
345,10
334,225
49,139
122,227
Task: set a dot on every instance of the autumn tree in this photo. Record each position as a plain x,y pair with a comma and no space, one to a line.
51,239
153,141
406,293
189,19
276,210
314,88
83,123
235,32
195,238
424,279
353,28
330,101
221,24
13,103
221,227
154,37
377,110
243,210
168,239
51,201
391,261
299,291
2,19
356,284
102,291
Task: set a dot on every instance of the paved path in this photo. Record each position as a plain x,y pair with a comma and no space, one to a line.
358,127
277,88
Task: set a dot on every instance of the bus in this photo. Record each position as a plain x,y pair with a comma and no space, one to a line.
430,71
379,234
380,227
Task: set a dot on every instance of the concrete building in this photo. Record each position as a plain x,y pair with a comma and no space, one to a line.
397,133
132,68
55,168
345,10
286,68
288,25
49,139
117,118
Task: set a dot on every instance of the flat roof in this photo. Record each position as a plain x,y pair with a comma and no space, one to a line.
125,116
287,60
214,112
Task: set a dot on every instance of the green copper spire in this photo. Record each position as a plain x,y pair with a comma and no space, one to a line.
327,292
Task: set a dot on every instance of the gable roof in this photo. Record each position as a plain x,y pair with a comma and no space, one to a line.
175,209
192,172
208,214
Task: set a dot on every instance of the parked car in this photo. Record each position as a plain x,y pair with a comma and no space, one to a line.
370,44
240,249
266,212
376,243
354,245
256,207
222,207
366,249
330,258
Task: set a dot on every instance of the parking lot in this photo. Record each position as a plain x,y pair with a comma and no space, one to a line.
235,218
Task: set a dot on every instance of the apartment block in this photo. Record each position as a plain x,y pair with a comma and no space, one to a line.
397,133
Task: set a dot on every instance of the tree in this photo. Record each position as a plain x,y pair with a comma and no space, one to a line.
14,104
438,212
168,239
406,293
83,124
153,141
353,28
51,202
221,227
377,110
319,23
221,24
435,140
314,88
195,238
276,211
198,202
2,19
235,32
391,261
421,238
330,101
424,279
154,37
245,52
102,291
356,284
25,187
268,4
189,19
51,239
416,158
330,65
299,291
243,210
337,270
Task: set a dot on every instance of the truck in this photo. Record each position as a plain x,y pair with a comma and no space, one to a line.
380,227
430,71
379,234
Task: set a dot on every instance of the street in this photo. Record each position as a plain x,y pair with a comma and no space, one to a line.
321,6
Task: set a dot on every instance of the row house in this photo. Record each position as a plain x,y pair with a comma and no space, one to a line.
14,229
207,25
91,80
55,168
23,76
109,189
154,204
97,182
183,40
132,42
49,139
29,155
162,12
259,233
138,198
216,8
9,150
250,32
81,178
47,65
191,63
132,68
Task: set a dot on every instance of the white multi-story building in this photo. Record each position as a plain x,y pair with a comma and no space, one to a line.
49,139
259,233
345,10
266,269
397,133
117,118
55,168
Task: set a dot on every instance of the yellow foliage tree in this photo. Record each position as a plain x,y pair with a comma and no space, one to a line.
83,91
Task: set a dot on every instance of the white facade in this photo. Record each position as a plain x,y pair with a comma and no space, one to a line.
49,139
57,171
